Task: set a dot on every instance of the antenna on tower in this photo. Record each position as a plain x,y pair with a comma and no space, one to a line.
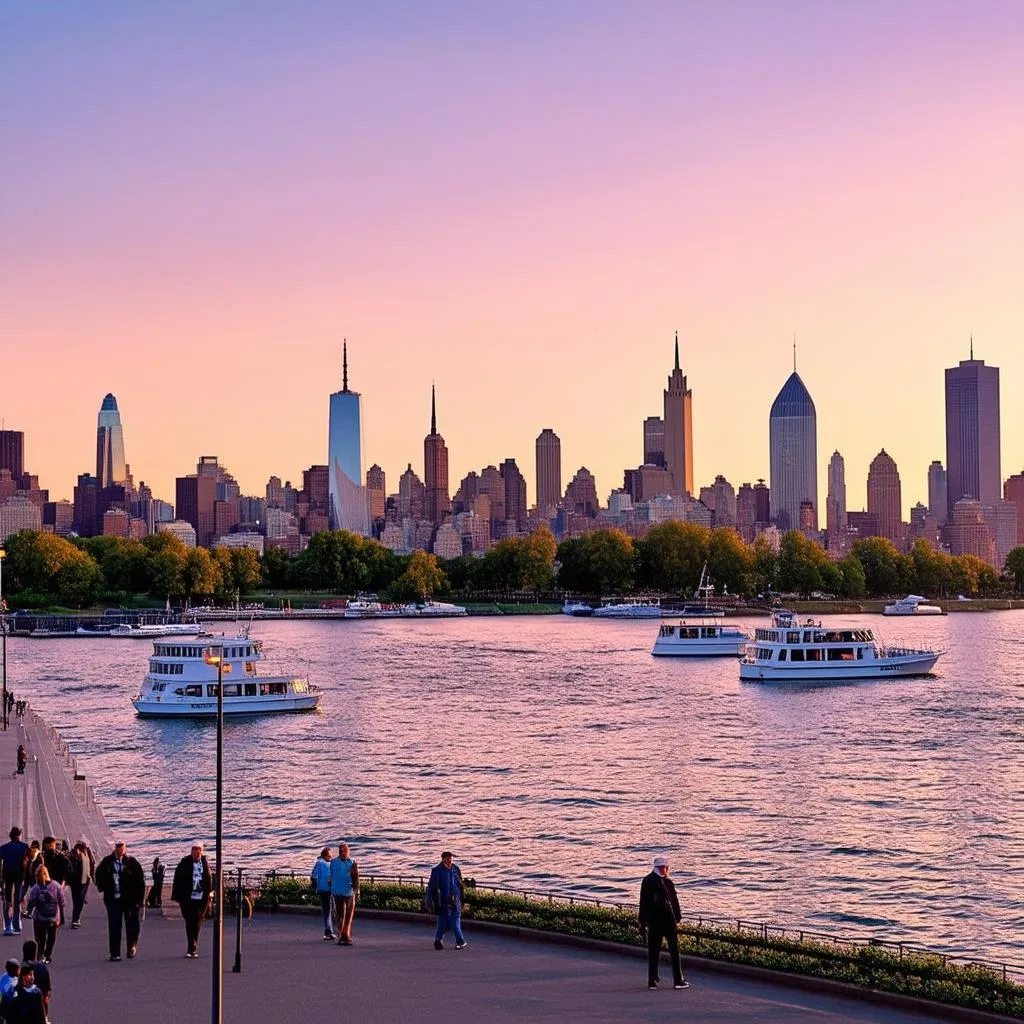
972,344
677,350
794,351
433,409
344,364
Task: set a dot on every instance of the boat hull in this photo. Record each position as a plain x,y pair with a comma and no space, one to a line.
809,671
233,706
699,648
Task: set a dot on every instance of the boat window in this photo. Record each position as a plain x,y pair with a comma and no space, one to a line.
300,686
250,668
807,636
272,689
250,689
782,655
860,653
796,654
232,690
815,654
193,691
793,637
841,654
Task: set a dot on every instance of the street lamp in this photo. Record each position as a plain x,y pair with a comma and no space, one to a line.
215,656
3,637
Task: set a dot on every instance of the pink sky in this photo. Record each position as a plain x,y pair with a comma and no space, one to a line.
521,202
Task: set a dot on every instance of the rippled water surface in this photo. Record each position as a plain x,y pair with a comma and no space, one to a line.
557,753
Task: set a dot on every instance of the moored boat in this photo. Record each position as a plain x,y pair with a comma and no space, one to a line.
699,640
578,609
632,609
912,604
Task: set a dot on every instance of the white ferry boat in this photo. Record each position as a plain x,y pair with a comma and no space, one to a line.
792,651
912,604
632,609
700,640
578,609
181,684
150,631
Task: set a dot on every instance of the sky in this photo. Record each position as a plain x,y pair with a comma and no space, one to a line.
521,202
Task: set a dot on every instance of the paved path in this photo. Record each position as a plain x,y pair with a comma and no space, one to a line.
47,799
394,974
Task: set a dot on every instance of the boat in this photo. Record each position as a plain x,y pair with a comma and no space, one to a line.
361,607
632,609
791,651
700,640
579,609
42,633
151,631
912,604
705,590
181,683
438,609
369,607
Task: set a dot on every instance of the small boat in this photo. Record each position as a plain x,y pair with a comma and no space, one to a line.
579,609
438,609
705,591
151,631
363,607
181,682
52,634
912,604
633,609
700,640
791,651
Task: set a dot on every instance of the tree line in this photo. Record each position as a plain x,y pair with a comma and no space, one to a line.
44,570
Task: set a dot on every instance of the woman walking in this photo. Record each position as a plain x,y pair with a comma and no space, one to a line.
46,905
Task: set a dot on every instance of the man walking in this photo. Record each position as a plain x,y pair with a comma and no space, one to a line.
321,879
659,916
445,896
191,890
345,890
121,880
13,865
81,872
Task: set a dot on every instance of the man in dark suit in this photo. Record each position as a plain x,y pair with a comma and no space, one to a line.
191,890
659,916
121,880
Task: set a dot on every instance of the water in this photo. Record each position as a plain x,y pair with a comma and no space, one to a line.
556,753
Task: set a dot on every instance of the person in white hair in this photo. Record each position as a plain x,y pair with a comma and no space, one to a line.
659,917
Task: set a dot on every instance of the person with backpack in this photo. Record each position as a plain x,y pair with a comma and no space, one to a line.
444,897
658,918
46,905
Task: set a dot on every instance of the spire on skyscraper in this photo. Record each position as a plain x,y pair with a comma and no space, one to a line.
344,364
677,350
972,344
433,410
794,352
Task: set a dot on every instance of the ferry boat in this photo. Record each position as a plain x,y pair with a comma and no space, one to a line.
912,604
150,631
633,609
181,684
578,609
791,651
700,640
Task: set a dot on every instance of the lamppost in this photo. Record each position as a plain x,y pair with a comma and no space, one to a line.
3,637
215,656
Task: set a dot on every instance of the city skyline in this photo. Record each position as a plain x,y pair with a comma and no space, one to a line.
509,229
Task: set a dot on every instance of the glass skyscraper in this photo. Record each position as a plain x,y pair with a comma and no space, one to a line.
110,464
349,506
793,450
972,433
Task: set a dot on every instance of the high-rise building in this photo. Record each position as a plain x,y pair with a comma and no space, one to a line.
1013,490
835,500
515,495
581,494
349,508
793,450
723,496
654,441
411,496
746,513
885,497
967,533
1001,519
87,523
972,433
376,491
646,482
195,501
12,452
549,471
762,502
938,505
435,470
492,486
110,464
678,426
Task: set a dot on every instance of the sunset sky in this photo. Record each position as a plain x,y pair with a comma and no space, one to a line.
521,201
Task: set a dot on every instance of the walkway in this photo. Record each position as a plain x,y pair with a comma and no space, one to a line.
393,974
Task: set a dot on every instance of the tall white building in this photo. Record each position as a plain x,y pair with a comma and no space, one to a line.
111,467
350,508
793,451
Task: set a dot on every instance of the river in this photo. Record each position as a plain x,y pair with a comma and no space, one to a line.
557,754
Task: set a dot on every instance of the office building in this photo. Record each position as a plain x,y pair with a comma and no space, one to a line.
793,451
435,470
1013,490
885,496
835,500
581,494
678,426
376,492
12,452
938,504
549,471
654,441
349,509
110,464
515,496
972,433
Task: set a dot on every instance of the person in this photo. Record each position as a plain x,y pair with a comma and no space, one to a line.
156,893
659,915
22,758
120,879
445,896
345,890
13,864
29,955
25,1003
10,978
192,889
320,876
54,861
81,871
46,905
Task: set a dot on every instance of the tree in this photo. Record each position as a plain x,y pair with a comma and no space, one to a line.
200,574
276,565
764,569
730,561
853,584
540,549
800,564
53,567
931,569
422,577
1015,567
124,562
165,560
672,556
886,571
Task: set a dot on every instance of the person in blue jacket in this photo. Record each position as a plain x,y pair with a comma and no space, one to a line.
445,896
320,876
345,890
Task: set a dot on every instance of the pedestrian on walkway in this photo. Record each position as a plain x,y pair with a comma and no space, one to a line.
30,955
156,893
24,1004
320,876
22,758
53,860
192,890
46,905
659,917
445,897
13,865
81,871
10,979
345,890
120,879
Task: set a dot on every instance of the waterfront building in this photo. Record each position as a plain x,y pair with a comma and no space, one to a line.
411,495
549,471
349,509
885,496
678,427
12,452
184,531
967,533
435,470
835,500
654,441
938,503
1013,490
18,513
376,489
646,482
1002,521
793,451
861,524
972,433
110,464
581,494
515,497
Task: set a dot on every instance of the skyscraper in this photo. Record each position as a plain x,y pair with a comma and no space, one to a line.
349,507
110,464
12,452
678,425
885,498
376,490
654,441
515,495
1013,490
549,470
938,505
793,451
581,494
835,500
972,433
435,469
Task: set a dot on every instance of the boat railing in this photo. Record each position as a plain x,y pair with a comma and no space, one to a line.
902,652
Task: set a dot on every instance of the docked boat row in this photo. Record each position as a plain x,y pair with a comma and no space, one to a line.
371,608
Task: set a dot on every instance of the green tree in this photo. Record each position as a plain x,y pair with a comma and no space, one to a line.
1015,567
200,575
764,568
672,556
51,566
853,584
800,564
422,578
886,571
462,573
165,560
276,566
730,561
122,561
540,549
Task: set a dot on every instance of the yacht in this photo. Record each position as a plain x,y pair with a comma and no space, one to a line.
577,608
437,609
181,683
792,650
912,604
700,640
632,609
703,608
150,631
363,607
